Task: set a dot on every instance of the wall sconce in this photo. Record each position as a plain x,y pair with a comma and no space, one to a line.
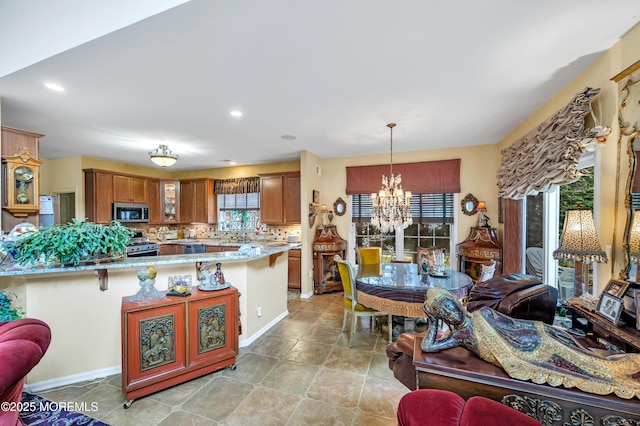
580,243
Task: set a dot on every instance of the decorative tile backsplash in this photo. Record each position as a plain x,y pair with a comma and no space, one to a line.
210,231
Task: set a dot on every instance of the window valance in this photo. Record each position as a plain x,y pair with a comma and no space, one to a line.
237,185
549,154
429,177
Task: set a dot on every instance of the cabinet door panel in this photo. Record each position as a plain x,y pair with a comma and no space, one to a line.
121,189
212,333
292,198
271,200
138,190
294,270
155,343
155,204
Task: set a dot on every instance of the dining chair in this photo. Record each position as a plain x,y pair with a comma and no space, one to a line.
351,305
368,256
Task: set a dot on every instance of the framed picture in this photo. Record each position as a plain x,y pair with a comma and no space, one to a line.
610,307
316,197
617,288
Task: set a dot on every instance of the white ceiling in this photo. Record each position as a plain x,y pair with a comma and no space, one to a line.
331,73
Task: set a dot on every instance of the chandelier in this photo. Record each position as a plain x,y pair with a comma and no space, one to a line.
162,156
392,206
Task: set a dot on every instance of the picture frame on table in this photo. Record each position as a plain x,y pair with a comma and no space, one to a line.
610,307
617,288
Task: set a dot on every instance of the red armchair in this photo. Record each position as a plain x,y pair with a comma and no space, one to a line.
23,343
443,408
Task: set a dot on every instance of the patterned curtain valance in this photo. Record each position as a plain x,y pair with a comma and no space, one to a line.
549,154
237,186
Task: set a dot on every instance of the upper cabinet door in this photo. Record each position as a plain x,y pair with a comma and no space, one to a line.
128,189
280,198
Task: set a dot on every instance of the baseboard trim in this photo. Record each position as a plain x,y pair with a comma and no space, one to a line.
259,333
59,382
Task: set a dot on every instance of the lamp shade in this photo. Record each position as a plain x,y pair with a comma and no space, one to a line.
580,240
634,236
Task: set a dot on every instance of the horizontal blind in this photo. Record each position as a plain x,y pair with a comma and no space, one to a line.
249,201
425,208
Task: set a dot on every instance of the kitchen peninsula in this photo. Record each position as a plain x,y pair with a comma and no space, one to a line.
85,320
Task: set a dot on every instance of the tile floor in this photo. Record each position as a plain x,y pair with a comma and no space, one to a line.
301,372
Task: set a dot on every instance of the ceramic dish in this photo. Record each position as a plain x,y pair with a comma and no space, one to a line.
213,288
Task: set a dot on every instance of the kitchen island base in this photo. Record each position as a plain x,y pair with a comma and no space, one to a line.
175,339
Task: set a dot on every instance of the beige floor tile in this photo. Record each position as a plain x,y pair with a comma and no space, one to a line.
317,413
322,334
180,418
143,412
349,360
310,353
273,346
251,368
381,397
336,387
264,407
218,398
291,377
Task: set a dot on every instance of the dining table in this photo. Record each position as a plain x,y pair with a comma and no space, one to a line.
400,289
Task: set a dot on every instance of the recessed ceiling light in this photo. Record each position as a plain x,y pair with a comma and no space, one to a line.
236,113
288,137
54,86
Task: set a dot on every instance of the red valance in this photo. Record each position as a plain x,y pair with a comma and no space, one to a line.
428,177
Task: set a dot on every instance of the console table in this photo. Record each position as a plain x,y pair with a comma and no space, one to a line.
480,246
460,371
625,337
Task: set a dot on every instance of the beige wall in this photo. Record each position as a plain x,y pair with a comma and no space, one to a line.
610,215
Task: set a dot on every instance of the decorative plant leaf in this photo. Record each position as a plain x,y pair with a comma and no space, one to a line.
72,243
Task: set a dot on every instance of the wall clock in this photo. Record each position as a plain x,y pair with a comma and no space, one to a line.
21,191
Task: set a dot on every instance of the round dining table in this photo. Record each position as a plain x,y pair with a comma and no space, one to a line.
399,289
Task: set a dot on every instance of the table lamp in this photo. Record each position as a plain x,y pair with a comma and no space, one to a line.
580,244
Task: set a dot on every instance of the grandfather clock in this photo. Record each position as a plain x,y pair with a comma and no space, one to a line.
327,244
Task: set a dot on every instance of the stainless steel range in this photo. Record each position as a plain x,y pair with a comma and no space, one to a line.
140,249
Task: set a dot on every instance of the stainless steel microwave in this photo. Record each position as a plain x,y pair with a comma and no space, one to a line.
123,212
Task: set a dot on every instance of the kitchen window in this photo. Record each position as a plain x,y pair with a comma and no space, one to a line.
238,212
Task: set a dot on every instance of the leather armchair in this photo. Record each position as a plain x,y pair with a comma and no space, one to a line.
517,295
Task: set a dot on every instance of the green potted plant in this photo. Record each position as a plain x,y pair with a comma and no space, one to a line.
76,242
7,311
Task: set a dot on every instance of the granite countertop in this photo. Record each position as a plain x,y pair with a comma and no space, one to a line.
257,252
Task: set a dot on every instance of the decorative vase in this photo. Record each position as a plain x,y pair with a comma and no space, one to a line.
219,274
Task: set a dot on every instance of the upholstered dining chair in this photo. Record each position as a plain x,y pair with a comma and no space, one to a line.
351,305
368,255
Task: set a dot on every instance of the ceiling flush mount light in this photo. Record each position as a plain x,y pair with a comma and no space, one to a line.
392,206
55,87
162,156
236,113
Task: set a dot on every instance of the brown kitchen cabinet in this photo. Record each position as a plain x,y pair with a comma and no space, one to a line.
213,249
98,195
155,205
176,339
170,199
230,248
280,198
295,270
130,189
169,249
197,201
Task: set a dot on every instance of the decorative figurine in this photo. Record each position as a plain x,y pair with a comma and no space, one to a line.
219,274
147,292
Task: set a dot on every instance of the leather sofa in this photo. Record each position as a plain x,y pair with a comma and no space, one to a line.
517,295
444,408
23,343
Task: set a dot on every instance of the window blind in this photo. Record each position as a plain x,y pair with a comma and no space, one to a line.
248,201
425,208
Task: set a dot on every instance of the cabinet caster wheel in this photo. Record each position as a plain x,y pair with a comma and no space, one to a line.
128,404
232,367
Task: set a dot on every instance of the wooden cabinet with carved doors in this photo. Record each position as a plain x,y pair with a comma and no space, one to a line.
176,339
